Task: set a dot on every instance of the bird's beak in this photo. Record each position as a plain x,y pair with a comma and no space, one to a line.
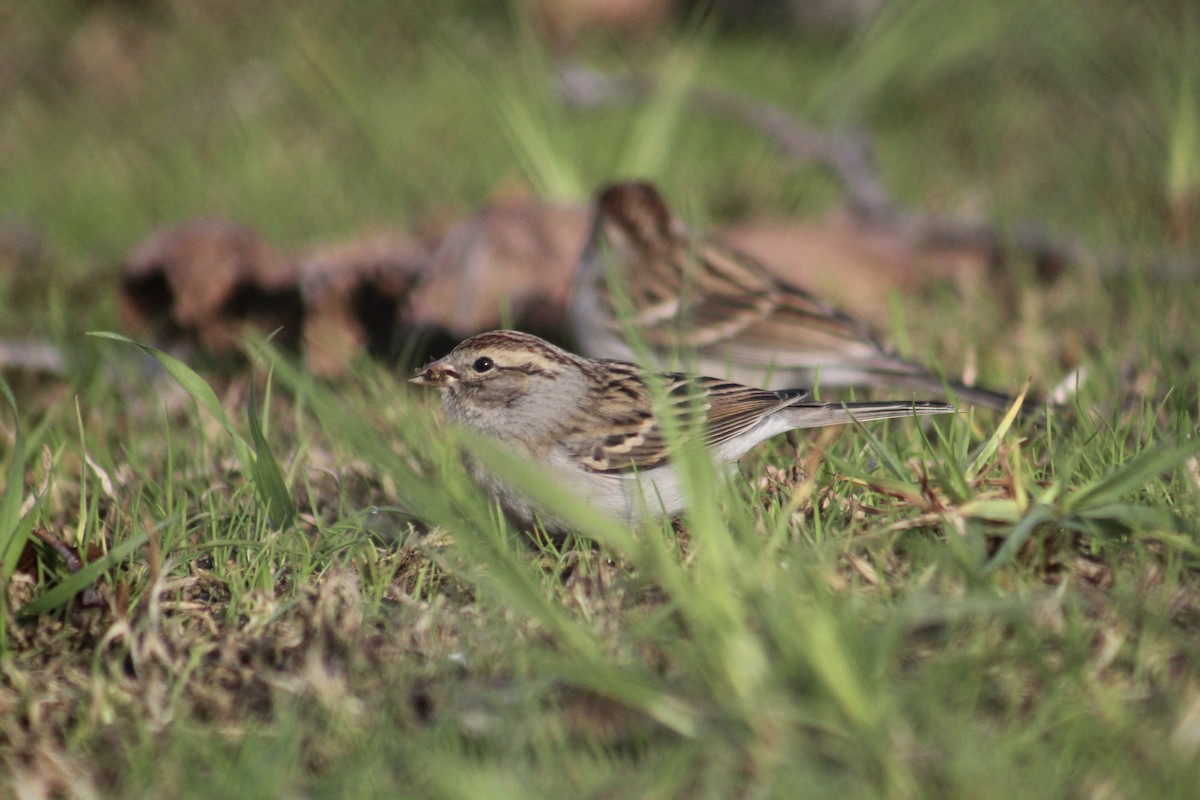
439,373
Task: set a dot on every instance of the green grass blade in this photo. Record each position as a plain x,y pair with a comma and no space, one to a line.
195,386
258,464
886,457
657,132
12,533
631,688
838,671
268,478
73,585
989,448
1018,537
995,510
1131,475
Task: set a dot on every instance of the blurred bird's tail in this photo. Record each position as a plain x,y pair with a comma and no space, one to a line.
816,415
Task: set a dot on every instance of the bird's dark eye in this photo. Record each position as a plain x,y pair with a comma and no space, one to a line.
483,364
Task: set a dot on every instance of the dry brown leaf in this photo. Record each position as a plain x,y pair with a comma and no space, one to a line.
207,280
852,264
353,294
510,262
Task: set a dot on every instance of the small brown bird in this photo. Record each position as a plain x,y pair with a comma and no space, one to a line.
593,425
723,310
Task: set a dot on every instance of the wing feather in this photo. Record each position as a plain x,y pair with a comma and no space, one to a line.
635,440
724,304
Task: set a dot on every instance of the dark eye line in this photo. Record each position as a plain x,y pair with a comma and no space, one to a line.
483,364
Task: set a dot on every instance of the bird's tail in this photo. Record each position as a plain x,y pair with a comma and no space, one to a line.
1031,407
816,415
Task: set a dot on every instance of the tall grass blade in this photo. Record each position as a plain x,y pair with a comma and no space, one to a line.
657,130
13,533
194,385
268,478
264,473
982,456
1183,136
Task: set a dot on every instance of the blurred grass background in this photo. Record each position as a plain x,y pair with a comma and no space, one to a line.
310,120
838,647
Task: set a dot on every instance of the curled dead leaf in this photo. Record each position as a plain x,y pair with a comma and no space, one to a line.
510,263
353,297
206,281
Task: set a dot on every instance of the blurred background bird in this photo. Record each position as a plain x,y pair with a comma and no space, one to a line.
698,304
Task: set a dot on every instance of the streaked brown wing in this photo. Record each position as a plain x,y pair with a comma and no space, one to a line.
681,299
733,409
635,438
636,441
799,329
727,305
